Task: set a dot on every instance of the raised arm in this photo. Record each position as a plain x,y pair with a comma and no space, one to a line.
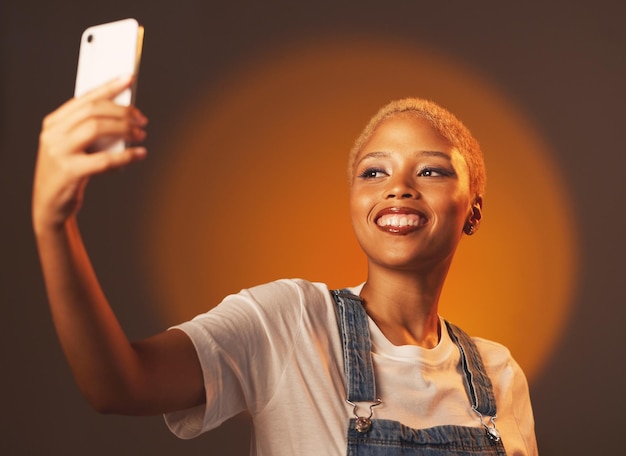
153,376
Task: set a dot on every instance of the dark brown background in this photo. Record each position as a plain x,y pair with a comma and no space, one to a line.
563,63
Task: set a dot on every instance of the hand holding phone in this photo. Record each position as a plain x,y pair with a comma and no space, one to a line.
109,51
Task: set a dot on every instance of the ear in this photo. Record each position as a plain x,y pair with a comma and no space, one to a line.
474,217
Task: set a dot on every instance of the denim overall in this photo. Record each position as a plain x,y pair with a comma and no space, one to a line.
377,437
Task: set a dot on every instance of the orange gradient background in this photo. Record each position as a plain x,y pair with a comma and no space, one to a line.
255,189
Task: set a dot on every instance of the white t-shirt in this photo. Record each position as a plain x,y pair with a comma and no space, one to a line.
275,351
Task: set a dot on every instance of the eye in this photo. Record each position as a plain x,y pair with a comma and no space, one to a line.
435,172
372,173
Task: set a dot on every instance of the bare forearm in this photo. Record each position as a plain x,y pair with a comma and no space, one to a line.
102,360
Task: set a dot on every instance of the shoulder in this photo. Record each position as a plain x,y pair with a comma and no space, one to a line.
505,373
279,294
285,292
281,297
268,306
494,354
496,359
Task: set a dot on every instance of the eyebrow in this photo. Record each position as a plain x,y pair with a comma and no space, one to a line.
427,153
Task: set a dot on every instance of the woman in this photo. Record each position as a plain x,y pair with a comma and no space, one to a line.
369,370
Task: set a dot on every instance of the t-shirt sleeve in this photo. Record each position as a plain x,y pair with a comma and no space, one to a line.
243,345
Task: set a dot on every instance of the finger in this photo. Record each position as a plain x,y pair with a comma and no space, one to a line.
101,162
102,109
87,132
107,91
69,119
110,89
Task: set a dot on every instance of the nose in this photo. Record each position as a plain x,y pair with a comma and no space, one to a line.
400,187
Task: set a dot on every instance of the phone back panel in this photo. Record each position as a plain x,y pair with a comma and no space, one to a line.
109,51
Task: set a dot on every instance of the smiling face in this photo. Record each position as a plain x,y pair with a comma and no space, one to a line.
410,195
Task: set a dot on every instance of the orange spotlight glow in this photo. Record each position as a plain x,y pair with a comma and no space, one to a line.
257,190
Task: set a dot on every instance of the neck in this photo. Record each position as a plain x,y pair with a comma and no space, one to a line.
404,304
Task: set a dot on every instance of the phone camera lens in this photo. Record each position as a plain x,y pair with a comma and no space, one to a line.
89,38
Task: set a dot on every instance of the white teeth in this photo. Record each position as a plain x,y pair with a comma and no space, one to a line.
399,220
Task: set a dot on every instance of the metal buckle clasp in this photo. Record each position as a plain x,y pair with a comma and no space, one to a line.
363,424
490,427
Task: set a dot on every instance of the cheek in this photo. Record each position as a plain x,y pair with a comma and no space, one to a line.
360,206
356,210
456,208
461,213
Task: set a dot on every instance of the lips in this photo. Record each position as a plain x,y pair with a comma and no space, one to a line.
399,220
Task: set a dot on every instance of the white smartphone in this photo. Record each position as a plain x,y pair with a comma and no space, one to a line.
109,51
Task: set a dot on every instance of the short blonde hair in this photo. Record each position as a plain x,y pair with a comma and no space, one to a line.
446,124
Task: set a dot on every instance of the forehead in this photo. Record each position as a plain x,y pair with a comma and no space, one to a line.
408,133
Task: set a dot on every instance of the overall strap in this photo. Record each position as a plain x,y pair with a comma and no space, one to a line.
477,382
355,340
359,372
